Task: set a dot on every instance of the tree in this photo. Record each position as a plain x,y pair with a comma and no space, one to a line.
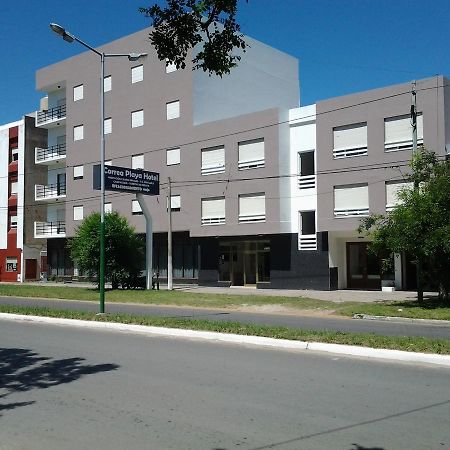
184,24
124,250
420,225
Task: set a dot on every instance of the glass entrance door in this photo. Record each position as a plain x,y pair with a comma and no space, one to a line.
363,267
250,268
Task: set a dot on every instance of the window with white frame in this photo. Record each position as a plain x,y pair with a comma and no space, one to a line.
11,264
136,208
251,154
137,74
78,132
137,162
78,93
213,211
252,208
306,170
137,118
78,172
173,156
13,222
108,125
108,208
14,154
350,140
393,188
213,160
173,110
398,133
14,187
175,202
307,239
351,200
170,67
107,84
78,213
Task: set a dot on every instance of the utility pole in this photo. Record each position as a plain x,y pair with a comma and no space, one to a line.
169,239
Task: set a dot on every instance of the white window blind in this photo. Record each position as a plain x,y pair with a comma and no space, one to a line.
135,207
108,125
137,162
13,221
78,172
392,191
14,154
78,132
173,156
137,74
175,201
252,208
78,213
78,93
213,160
170,67
11,264
213,211
350,140
137,118
107,84
108,208
351,200
398,132
14,187
173,110
251,154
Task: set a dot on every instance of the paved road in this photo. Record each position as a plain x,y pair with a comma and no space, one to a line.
304,322
70,388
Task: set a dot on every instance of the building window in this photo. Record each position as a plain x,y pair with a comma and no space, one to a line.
252,208
175,202
78,172
78,132
14,188
251,154
170,67
107,84
213,160
173,110
137,118
393,188
350,140
137,162
78,93
11,264
351,201
398,133
306,170
173,156
108,126
213,211
13,222
135,208
137,74
108,208
307,239
14,154
78,213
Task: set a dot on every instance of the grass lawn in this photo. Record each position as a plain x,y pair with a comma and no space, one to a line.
412,344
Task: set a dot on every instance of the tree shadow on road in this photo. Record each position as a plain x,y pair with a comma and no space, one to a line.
22,370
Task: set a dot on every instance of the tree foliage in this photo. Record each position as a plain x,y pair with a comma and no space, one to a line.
420,225
184,24
124,250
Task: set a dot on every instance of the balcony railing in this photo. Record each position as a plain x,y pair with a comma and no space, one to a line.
51,115
351,212
49,192
49,229
50,154
306,181
307,242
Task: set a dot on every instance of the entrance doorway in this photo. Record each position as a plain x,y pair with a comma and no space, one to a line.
363,267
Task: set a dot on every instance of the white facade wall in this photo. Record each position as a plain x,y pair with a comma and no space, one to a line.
4,144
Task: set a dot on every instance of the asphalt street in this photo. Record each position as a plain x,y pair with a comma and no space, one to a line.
72,388
294,321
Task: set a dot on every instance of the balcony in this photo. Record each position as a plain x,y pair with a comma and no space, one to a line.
49,192
307,242
52,117
306,181
49,229
50,155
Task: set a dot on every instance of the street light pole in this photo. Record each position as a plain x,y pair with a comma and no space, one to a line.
68,37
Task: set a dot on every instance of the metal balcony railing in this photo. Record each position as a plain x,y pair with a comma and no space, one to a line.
306,181
43,192
49,115
307,242
51,153
49,229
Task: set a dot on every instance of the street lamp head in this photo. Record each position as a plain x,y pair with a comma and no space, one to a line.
58,29
136,56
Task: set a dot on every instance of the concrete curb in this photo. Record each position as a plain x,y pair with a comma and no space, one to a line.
440,323
350,350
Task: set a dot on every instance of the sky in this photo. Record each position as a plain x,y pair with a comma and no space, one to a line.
343,46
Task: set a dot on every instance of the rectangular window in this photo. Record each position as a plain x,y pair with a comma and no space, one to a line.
307,230
78,213
350,140
175,202
78,172
108,125
108,208
14,187
173,156
78,132
13,222
78,93
173,110
137,74
252,208
306,170
107,84
137,162
11,264
213,211
351,201
135,208
213,160
137,118
398,133
251,154
170,67
14,154
393,188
